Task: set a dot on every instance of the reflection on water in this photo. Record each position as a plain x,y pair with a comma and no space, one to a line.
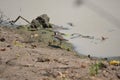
77,3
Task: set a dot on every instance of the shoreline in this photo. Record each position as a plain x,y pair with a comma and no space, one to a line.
94,46
33,61
59,28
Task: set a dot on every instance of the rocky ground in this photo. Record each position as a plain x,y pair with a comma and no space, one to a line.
34,61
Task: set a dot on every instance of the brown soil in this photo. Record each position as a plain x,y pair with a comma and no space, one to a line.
26,61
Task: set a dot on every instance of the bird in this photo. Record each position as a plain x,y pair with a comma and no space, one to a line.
103,38
59,37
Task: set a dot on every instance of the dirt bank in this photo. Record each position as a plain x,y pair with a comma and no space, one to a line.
34,61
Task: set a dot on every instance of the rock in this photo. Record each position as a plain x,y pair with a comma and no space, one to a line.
33,46
8,45
2,39
42,59
3,49
41,21
105,73
113,68
10,63
44,18
26,65
61,74
83,65
118,75
36,35
36,23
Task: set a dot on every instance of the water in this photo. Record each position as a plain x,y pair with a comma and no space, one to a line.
88,20
96,46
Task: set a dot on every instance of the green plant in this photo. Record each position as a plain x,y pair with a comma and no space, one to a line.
94,68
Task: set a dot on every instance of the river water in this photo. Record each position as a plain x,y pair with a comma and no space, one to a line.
94,18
